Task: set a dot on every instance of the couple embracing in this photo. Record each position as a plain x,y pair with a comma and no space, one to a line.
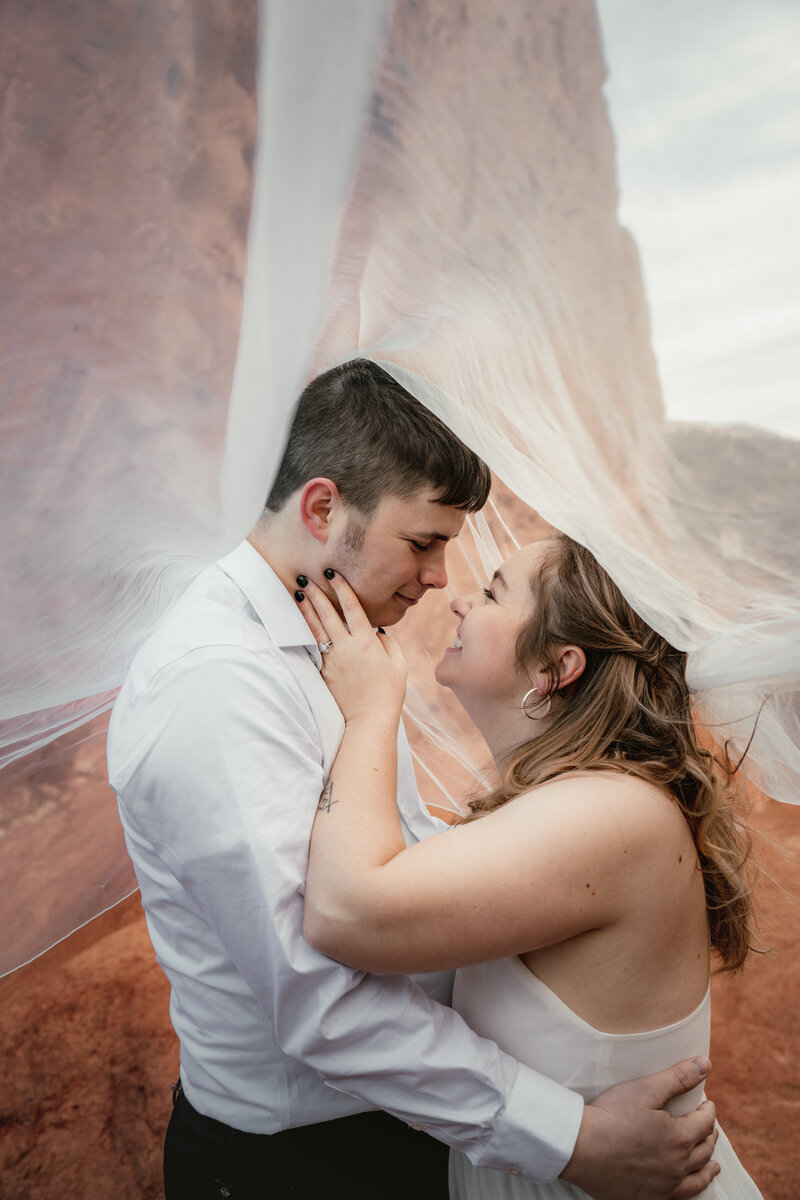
309,912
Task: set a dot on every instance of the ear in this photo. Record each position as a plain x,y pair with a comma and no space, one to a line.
319,501
571,665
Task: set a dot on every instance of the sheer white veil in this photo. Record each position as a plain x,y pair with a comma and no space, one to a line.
434,188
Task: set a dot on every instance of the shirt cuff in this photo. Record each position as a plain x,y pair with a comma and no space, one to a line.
536,1133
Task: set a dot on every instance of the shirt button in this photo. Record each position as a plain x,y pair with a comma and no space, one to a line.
515,1169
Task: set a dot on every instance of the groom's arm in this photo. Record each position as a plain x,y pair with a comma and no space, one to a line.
241,755
242,762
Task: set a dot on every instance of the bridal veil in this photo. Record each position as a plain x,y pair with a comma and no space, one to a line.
203,207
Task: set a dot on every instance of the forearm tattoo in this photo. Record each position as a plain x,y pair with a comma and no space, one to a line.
326,800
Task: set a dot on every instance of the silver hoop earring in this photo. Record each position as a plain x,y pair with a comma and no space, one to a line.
542,706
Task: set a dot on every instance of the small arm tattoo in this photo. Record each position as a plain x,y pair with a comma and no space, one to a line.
326,800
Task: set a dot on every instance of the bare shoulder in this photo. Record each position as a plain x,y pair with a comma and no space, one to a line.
612,787
617,808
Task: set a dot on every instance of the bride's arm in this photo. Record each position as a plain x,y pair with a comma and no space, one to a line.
542,869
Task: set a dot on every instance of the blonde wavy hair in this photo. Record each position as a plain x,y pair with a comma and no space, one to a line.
629,711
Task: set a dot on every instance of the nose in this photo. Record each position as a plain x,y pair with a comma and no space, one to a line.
434,572
460,606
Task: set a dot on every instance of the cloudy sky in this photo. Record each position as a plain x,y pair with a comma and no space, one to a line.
704,97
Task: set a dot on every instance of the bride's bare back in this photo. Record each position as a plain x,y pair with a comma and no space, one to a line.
647,966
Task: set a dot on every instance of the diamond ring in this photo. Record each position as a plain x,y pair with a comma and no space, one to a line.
325,647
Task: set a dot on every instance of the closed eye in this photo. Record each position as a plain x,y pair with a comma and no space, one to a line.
417,546
489,594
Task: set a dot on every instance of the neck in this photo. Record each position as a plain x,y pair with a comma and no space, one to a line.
280,547
503,728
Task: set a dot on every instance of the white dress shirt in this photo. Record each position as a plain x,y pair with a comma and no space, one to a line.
219,746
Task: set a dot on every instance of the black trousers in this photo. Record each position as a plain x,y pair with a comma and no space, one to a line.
371,1156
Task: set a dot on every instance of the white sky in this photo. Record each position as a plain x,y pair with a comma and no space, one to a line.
704,98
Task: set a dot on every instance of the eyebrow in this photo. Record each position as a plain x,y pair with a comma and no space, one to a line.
431,537
501,579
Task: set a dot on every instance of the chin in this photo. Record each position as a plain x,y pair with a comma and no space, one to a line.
391,614
440,673
384,619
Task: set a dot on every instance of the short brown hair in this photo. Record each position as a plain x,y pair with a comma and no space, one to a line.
357,426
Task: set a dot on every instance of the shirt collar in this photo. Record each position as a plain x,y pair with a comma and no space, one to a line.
275,607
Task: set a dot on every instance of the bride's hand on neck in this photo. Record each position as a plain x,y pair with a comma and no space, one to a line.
364,669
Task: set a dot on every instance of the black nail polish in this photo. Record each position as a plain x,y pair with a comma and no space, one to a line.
299,596
329,572
301,579
380,630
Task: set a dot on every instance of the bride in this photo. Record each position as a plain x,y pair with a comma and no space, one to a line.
582,896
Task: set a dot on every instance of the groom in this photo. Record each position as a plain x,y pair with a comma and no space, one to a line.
219,747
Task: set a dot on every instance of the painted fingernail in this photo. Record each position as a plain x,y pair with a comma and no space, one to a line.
329,572
381,630
299,596
301,579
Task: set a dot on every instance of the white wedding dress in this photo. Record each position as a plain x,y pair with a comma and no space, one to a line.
503,1001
